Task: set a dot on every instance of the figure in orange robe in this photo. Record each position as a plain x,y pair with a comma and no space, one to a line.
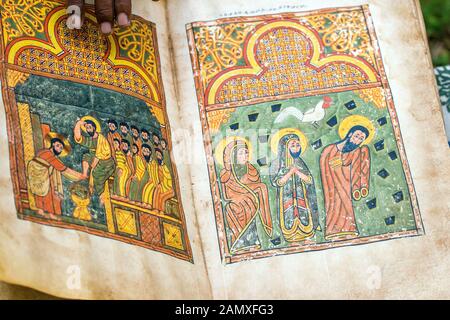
50,203
246,197
44,175
345,170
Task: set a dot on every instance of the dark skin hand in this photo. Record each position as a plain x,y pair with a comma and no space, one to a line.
107,11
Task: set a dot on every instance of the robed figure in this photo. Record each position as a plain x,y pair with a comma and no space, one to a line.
45,171
152,174
140,177
345,170
164,188
123,167
296,197
98,159
246,197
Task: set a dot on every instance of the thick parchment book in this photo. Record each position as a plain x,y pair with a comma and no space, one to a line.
223,150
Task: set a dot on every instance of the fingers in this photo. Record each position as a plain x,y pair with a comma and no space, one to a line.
123,12
75,9
104,10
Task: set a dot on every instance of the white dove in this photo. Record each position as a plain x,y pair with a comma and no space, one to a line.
313,115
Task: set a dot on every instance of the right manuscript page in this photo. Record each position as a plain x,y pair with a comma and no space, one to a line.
321,130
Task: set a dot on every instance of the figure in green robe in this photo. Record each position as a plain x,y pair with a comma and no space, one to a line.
140,177
296,198
99,156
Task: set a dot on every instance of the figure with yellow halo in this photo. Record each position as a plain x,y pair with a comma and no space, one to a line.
45,173
345,170
98,159
296,198
246,196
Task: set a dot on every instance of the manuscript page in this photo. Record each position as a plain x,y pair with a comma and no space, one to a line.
93,238
239,86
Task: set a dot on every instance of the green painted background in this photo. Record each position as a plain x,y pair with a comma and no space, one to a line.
59,103
369,222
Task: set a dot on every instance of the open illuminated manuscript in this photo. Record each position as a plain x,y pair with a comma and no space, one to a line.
303,131
169,157
90,138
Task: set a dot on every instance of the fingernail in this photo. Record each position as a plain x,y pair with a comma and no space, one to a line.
74,22
122,19
106,27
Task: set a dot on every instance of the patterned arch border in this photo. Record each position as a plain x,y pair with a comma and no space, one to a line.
206,111
253,68
11,75
55,48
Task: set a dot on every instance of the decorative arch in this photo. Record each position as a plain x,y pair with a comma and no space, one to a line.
253,68
53,46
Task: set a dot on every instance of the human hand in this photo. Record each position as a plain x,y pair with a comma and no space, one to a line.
107,12
306,178
293,170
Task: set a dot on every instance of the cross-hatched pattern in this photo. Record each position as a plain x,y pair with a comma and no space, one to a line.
150,228
83,60
285,55
126,221
172,236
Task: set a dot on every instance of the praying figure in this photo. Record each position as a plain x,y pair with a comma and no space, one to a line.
246,197
345,169
296,198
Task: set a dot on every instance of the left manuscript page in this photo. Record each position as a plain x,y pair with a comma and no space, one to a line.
94,204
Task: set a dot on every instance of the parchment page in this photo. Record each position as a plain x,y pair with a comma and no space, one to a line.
145,249
408,267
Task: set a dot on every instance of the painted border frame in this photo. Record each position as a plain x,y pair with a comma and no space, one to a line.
17,169
204,108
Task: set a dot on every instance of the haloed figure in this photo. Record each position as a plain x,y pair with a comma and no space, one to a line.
246,197
99,158
44,174
297,201
345,169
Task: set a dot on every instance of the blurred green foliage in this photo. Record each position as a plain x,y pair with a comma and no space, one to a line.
437,21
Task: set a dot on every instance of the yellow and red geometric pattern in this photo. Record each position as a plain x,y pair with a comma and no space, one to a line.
36,39
126,221
262,59
172,236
